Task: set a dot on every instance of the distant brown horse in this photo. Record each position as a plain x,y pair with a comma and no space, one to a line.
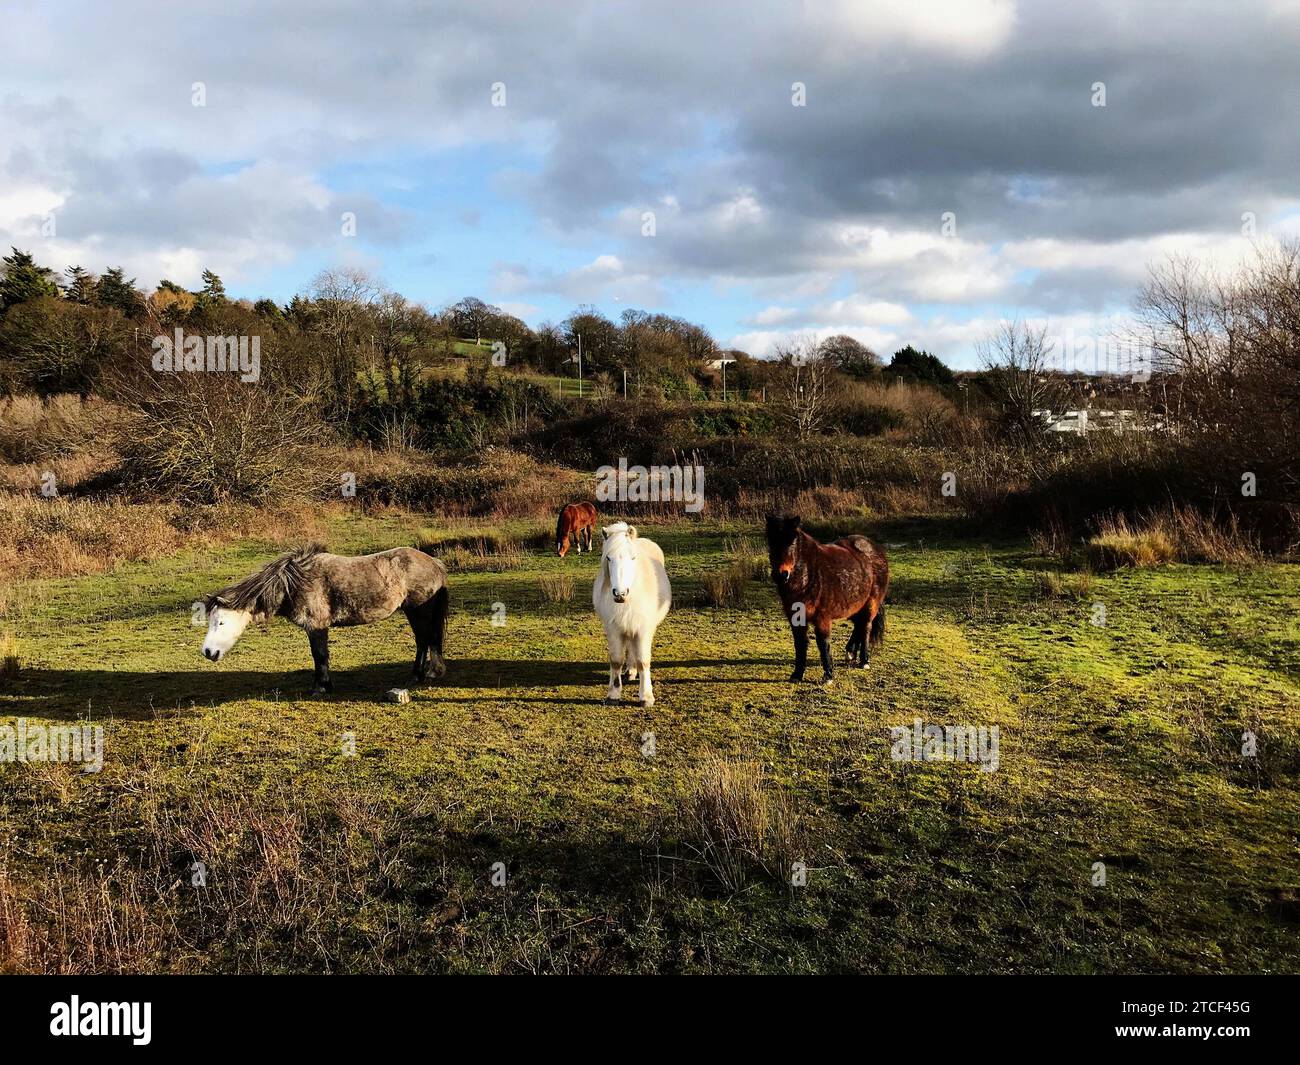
819,583
577,523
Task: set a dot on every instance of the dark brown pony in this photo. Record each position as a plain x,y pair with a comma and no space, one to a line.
819,583
577,523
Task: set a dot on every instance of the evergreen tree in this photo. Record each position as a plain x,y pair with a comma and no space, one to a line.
24,280
213,292
912,365
114,290
81,286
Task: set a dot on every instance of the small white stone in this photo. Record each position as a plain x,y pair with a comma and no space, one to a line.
398,695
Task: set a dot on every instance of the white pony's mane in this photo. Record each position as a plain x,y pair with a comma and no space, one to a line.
616,534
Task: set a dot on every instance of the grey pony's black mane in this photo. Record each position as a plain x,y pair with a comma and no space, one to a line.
267,589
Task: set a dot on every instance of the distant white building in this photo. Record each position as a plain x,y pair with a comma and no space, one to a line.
1082,422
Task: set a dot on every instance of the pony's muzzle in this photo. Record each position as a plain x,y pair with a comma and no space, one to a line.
619,597
211,654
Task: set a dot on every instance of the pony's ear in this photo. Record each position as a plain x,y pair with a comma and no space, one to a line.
631,532
795,522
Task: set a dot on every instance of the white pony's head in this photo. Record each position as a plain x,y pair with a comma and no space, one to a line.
226,625
620,555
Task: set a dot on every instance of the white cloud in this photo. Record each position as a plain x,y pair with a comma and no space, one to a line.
959,27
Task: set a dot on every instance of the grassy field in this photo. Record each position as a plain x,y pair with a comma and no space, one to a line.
1120,743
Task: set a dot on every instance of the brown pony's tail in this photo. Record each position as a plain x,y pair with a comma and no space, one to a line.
877,634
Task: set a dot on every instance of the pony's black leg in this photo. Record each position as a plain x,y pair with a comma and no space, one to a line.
800,650
824,650
419,623
857,648
320,653
439,606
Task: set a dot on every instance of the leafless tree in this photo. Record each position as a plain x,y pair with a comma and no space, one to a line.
343,298
1016,358
806,389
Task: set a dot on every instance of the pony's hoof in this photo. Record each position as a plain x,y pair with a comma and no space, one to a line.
827,681
613,700
318,690
796,677
649,700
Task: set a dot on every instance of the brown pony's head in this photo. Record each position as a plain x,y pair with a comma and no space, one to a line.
782,545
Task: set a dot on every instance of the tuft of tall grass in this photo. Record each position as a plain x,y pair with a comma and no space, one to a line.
10,662
738,825
557,587
473,550
1181,534
726,587
1117,544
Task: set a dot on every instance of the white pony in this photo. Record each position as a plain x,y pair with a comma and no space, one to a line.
632,597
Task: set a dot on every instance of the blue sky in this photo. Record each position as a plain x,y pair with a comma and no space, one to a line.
772,219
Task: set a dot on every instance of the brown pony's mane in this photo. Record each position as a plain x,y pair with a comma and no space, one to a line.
267,589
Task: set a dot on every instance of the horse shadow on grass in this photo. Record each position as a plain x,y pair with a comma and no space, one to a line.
145,694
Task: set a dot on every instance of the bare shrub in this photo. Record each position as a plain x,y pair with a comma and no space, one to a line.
1016,362
209,437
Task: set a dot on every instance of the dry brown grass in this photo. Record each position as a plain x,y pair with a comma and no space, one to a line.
736,823
466,549
729,585
1118,544
498,483
36,430
283,877
1199,538
62,537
